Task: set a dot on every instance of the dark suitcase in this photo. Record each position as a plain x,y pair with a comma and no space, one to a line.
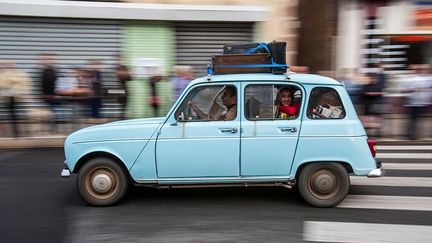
277,50
249,48
278,53
228,64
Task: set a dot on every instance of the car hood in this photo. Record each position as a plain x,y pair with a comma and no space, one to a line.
134,129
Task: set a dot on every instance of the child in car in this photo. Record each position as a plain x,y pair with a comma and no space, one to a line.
286,108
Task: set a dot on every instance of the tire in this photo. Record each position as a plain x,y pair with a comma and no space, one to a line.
102,182
323,184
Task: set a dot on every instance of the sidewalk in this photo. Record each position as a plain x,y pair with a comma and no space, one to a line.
393,127
32,142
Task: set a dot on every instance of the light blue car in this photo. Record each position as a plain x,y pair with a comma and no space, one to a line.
290,130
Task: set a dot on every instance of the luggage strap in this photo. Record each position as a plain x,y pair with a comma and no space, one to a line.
259,46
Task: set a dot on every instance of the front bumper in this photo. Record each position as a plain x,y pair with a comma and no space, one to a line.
378,172
65,172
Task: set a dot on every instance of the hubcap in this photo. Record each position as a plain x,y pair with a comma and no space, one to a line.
101,183
324,184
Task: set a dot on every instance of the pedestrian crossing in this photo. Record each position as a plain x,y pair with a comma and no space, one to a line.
319,231
399,191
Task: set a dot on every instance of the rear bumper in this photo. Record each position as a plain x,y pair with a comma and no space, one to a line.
378,172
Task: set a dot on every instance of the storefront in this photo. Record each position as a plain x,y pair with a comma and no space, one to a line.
76,32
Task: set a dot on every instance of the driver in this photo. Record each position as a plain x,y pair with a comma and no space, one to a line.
229,100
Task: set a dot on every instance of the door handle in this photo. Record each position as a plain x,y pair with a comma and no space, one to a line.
228,130
288,129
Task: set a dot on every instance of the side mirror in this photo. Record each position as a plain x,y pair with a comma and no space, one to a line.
179,118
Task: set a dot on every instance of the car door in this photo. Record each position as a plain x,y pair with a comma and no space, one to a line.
268,143
190,146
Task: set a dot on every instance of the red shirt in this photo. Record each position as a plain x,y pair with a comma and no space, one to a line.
291,110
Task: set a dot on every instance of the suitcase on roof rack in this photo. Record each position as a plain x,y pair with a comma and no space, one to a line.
228,64
243,48
277,51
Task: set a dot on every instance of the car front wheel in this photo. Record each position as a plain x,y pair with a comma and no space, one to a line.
323,184
102,182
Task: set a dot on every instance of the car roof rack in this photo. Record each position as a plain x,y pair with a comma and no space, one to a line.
250,58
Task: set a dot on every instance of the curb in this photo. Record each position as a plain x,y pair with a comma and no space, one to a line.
33,142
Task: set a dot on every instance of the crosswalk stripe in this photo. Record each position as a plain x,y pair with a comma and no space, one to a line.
407,166
323,231
392,181
404,147
404,156
387,202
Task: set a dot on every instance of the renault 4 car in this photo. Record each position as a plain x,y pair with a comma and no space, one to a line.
290,130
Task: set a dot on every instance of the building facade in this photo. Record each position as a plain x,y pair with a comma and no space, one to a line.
162,33
391,33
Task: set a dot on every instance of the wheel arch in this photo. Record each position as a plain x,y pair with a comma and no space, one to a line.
345,164
96,154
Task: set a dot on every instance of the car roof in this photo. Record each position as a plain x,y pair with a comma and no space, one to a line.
293,77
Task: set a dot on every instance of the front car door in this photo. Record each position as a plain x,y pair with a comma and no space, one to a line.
191,145
269,137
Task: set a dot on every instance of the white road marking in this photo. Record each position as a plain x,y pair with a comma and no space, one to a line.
387,202
404,156
407,166
404,147
323,231
392,181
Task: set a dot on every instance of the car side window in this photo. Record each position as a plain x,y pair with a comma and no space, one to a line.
325,103
271,102
207,103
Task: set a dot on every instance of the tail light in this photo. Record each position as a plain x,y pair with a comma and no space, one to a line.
372,147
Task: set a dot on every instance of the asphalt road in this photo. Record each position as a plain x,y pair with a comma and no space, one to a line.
37,205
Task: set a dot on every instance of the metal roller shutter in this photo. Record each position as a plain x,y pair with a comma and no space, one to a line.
197,42
73,41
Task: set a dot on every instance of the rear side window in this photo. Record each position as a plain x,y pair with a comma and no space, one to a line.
272,102
325,103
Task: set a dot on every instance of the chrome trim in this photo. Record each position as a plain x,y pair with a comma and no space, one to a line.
65,172
376,173
217,179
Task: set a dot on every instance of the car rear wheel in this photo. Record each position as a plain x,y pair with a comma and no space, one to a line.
323,184
102,182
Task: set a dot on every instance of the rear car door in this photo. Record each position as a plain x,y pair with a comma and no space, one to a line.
268,142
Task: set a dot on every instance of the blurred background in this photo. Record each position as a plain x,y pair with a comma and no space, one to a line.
70,64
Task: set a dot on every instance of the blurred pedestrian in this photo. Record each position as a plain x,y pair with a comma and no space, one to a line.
154,98
123,76
418,89
183,76
48,78
371,95
381,76
353,88
95,77
14,86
